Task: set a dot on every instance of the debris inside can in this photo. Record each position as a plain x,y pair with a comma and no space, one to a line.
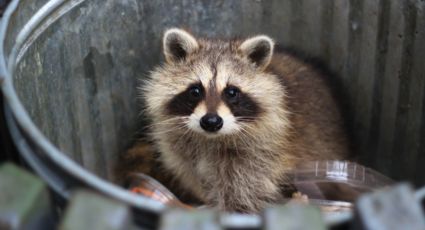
149,187
332,186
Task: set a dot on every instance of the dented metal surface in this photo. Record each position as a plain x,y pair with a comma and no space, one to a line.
60,171
70,79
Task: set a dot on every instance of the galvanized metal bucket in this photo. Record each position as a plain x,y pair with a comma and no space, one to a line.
70,68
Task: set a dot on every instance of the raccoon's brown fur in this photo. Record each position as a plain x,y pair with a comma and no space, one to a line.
276,112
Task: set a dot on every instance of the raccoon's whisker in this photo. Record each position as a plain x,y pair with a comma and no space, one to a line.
184,136
246,136
176,118
163,132
246,118
171,121
246,130
142,112
160,123
177,128
173,118
188,130
244,140
236,146
248,126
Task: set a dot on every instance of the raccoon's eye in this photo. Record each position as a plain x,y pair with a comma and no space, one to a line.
231,92
195,91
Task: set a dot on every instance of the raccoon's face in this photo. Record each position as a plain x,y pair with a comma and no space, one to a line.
213,88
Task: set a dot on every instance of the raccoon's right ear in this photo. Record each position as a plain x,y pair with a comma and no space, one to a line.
258,50
178,44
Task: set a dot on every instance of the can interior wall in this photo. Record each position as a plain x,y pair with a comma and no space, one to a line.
75,71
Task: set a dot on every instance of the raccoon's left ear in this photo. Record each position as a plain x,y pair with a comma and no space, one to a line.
258,50
178,44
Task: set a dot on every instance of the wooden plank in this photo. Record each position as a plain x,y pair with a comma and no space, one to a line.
339,38
327,30
292,216
85,147
390,85
251,21
410,95
88,210
103,66
416,126
63,116
351,71
391,209
364,84
297,24
24,200
383,30
185,220
311,13
276,20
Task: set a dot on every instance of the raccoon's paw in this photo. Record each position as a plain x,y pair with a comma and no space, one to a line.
298,197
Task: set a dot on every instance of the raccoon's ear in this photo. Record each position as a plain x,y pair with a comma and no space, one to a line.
258,50
178,44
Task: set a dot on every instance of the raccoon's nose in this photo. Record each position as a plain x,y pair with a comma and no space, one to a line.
211,122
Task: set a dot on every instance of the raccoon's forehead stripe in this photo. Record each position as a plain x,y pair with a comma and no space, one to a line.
213,97
204,74
214,71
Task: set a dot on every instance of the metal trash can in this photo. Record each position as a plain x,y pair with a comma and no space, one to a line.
70,68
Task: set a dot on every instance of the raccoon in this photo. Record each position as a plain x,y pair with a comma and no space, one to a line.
230,118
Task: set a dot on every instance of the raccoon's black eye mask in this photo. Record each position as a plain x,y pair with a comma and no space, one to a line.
184,103
241,104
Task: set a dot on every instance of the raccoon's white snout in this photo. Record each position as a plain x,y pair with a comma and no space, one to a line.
213,124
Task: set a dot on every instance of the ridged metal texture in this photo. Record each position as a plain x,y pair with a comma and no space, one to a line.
78,78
